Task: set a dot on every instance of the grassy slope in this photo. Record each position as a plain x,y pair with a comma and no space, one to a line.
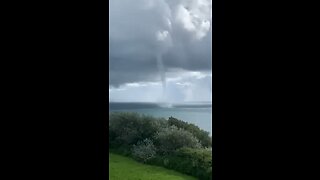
123,168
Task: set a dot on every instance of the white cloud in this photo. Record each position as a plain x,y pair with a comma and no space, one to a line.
183,83
162,35
195,16
183,16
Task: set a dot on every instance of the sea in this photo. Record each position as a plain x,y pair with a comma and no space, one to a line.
198,113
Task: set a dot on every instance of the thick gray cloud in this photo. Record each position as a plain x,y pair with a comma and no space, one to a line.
177,30
181,87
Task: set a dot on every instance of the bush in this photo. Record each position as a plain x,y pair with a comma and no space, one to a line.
171,138
144,150
203,136
199,160
121,131
195,162
129,128
173,144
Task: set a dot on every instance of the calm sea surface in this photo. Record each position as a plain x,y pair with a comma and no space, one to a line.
199,114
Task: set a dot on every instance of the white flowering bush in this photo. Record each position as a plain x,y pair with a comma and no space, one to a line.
144,150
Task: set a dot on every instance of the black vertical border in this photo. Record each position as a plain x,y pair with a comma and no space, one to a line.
218,13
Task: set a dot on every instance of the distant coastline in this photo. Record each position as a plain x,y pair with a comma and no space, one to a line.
147,105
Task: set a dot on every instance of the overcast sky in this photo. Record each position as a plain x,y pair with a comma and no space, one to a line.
160,50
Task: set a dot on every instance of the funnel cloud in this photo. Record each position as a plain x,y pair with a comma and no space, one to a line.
162,75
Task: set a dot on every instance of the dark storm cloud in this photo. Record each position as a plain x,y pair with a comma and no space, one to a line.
142,29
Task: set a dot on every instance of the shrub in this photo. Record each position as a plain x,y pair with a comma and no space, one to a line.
144,150
173,144
195,162
203,136
171,138
121,128
129,128
198,160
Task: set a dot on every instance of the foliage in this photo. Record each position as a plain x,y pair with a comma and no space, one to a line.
203,136
172,143
195,162
171,138
144,150
129,128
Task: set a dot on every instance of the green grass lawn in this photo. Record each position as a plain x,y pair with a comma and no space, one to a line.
123,168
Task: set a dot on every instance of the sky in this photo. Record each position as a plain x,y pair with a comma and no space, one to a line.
160,50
